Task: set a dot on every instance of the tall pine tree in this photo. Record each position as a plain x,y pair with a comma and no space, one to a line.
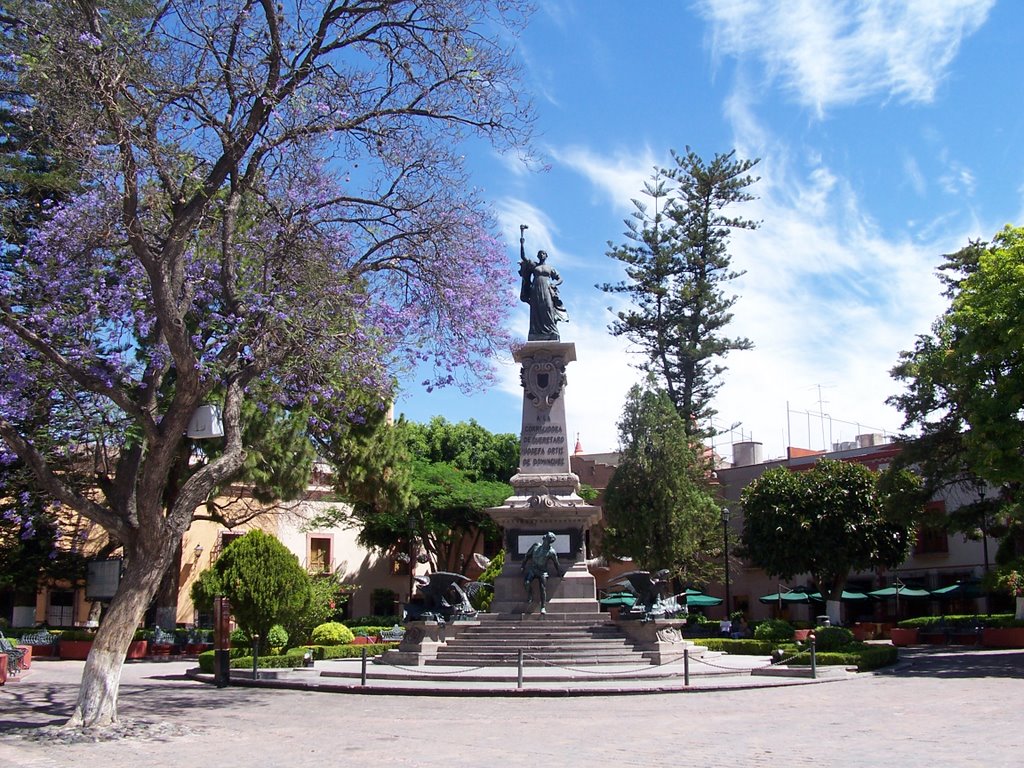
677,265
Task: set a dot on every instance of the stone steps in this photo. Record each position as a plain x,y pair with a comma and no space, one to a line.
586,639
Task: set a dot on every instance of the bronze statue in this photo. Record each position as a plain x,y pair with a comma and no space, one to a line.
535,567
443,597
539,289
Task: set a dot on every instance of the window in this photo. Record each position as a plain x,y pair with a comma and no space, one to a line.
61,612
319,554
931,535
931,541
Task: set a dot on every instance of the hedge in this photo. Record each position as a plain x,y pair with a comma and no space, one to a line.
740,647
966,621
294,656
864,657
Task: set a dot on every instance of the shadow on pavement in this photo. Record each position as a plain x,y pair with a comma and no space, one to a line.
952,663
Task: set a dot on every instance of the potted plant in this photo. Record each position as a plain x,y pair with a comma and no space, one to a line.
199,640
75,644
160,643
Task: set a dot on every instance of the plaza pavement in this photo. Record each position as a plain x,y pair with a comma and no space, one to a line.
939,707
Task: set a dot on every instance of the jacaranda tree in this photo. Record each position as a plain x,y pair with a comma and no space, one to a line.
273,206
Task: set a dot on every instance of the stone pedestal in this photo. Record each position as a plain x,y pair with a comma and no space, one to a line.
546,493
660,640
421,642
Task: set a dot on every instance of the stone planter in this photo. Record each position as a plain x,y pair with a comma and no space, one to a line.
137,649
801,635
1003,637
862,631
74,650
26,660
160,649
194,649
3,668
901,636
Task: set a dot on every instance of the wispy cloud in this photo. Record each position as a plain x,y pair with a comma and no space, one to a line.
839,53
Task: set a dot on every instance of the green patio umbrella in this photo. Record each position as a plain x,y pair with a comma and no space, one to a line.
960,589
702,601
848,596
792,596
901,591
621,599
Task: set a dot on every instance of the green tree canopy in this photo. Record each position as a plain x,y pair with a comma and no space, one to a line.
659,506
964,384
828,521
431,482
265,583
677,267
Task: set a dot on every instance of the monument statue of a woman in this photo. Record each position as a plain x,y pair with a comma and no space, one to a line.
540,290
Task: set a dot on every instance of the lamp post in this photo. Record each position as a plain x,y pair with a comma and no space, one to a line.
412,556
984,540
725,538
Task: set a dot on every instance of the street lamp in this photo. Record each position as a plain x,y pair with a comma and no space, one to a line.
412,555
725,538
984,540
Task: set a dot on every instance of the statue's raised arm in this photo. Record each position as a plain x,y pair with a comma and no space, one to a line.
539,289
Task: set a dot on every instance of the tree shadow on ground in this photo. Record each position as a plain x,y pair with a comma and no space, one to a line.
954,663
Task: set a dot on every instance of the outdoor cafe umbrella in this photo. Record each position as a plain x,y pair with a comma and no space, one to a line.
960,589
620,599
848,596
701,600
899,591
794,596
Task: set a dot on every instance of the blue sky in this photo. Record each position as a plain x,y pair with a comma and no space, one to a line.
890,133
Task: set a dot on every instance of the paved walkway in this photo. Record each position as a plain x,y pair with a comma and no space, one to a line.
956,707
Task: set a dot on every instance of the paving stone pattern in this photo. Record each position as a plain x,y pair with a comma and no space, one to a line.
953,707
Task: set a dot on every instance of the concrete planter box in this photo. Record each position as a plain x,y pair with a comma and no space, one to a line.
1003,637
160,649
901,636
137,649
74,650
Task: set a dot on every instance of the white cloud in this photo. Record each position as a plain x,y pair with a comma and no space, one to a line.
834,54
827,299
618,178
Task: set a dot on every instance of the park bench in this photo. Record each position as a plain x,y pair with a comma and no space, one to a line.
393,635
14,654
40,638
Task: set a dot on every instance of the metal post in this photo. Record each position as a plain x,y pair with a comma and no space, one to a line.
725,535
686,667
519,680
814,659
255,657
362,676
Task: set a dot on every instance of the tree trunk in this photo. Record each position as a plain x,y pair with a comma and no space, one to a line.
101,679
167,595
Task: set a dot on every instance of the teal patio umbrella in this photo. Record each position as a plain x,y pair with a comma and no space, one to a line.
793,596
966,589
901,590
620,599
702,601
847,595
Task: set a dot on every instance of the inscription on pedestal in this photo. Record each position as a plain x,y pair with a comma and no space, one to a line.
544,447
